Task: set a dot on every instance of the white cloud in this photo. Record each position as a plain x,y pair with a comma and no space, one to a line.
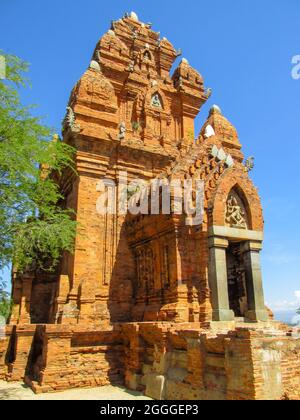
296,320
287,305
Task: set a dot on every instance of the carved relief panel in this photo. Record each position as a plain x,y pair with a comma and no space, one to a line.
153,268
236,213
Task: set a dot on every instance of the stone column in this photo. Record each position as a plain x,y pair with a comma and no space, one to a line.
218,279
256,302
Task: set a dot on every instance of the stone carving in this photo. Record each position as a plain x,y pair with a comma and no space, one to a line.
131,67
208,92
70,120
122,131
235,215
156,101
95,65
180,83
215,109
214,151
147,56
221,155
134,16
249,164
209,132
229,161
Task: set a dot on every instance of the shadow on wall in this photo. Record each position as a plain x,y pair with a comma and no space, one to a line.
157,275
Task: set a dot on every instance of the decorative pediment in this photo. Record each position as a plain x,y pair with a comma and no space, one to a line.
219,130
96,88
111,43
155,99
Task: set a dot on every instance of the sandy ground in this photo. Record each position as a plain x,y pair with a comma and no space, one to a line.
19,391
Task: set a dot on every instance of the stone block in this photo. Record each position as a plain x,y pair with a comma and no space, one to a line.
155,386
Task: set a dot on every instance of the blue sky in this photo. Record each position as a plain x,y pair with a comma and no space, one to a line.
244,51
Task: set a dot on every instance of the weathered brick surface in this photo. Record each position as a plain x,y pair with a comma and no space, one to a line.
4,346
238,365
166,361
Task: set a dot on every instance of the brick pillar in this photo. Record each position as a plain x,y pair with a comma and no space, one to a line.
24,317
218,280
256,302
3,351
5,337
196,360
133,359
16,298
62,296
24,337
87,302
55,358
239,366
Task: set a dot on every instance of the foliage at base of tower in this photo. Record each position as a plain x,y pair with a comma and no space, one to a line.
5,305
34,229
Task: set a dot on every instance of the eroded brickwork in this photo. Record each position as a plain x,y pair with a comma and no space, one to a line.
177,363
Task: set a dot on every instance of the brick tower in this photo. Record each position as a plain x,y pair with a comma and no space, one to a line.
148,300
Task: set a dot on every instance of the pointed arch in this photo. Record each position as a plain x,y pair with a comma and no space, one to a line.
237,181
155,90
147,55
156,100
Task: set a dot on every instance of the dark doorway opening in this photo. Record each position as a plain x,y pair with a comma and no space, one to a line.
236,275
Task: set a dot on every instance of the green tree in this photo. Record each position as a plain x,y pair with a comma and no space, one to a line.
34,227
5,305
